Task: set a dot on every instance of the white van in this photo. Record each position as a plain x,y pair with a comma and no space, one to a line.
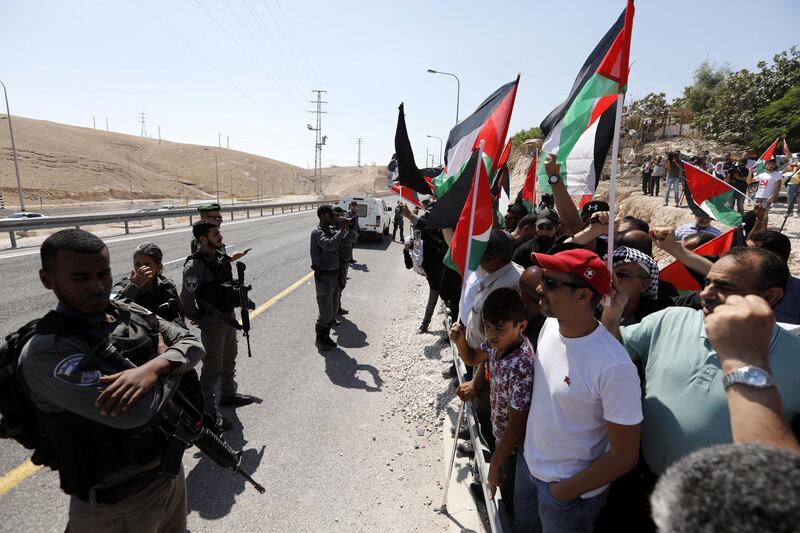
374,216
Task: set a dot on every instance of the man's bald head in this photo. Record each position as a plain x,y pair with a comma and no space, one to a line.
638,240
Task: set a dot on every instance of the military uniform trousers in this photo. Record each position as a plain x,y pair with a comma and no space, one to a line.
158,508
328,288
219,363
344,269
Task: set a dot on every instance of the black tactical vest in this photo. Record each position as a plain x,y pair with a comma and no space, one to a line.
85,451
219,292
163,300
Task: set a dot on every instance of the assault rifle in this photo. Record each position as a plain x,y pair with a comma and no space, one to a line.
180,421
245,305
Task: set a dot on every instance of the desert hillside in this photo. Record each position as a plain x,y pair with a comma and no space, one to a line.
61,163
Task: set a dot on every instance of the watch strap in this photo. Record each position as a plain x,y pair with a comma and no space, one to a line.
752,376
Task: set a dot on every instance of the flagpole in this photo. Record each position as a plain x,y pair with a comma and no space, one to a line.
612,194
475,183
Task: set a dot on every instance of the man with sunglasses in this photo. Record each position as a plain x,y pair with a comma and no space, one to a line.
684,384
584,421
213,212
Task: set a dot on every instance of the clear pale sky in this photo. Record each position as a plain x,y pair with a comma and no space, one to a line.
66,61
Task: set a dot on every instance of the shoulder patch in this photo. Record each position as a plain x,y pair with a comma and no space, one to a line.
190,282
66,372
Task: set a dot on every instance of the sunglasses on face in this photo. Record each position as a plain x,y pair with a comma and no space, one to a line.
625,275
550,284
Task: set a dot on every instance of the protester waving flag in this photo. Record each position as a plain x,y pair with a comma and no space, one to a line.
489,123
408,174
708,195
471,235
758,168
679,276
406,193
581,129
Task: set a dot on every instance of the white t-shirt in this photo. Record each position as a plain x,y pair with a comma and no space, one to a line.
766,183
578,385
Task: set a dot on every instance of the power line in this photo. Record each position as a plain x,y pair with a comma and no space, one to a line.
259,45
195,52
263,27
232,38
299,46
280,30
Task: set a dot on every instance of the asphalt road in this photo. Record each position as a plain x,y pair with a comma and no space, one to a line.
317,442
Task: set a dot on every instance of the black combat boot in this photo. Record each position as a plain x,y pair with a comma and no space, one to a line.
323,340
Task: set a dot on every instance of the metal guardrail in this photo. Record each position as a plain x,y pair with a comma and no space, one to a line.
77,221
498,518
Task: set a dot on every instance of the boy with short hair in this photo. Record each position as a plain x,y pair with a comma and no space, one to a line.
509,356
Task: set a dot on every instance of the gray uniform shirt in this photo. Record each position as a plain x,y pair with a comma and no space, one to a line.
47,364
348,241
325,248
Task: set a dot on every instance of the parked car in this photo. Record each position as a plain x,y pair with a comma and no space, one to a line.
24,215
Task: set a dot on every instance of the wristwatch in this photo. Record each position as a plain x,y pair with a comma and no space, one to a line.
553,179
752,376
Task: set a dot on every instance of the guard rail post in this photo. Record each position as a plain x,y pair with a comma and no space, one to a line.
163,225
283,209
262,212
273,210
127,229
248,213
190,220
498,519
13,239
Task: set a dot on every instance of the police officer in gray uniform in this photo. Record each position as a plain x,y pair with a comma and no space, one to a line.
345,253
107,453
208,299
325,241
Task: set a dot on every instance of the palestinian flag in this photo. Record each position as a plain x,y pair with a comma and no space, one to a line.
502,193
709,196
407,194
504,156
408,175
489,123
471,235
528,193
581,130
758,168
680,277
428,174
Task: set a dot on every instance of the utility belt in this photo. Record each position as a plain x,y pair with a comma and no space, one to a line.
320,275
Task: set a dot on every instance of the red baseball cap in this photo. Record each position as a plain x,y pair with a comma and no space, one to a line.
581,262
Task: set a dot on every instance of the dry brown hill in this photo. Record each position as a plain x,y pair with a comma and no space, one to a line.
61,163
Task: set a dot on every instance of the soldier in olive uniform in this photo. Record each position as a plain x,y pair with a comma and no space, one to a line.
107,453
208,299
147,287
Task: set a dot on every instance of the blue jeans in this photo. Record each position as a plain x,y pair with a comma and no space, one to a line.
791,190
672,182
536,510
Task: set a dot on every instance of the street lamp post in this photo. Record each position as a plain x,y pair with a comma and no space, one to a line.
13,150
440,146
458,88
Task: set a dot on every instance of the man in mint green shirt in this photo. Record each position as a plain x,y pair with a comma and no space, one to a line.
684,403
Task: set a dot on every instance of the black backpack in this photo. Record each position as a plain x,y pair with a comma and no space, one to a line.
19,418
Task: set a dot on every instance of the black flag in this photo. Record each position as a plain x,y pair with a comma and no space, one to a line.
408,173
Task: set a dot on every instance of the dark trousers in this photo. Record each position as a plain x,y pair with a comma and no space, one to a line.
655,185
219,362
433,297
398,224
344,268
646,183
327,286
